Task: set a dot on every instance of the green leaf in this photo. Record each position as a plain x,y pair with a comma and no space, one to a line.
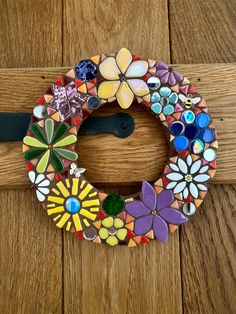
31,141
37,131
57,163
33,154
43,162
69,139
68,154
49,128
59,132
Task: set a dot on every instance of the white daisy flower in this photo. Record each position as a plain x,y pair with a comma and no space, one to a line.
40,184
188,177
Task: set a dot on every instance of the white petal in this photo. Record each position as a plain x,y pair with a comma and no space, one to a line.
185,193
189,160
31,176
195,166
204,169
40,196
137,69
174,176
193,190
43,190
45,182
182,166
73,165
109,69
202,187
171,185
179,187
39,178
174,167
138,87
201,178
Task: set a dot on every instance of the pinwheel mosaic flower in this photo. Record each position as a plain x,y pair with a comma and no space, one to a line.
50,144
40,184
74,204
67,100
123,78
168,74
154,212
188,177
112,230
164,101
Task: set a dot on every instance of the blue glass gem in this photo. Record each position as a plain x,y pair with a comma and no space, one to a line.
196,146
94,102
180,143
177,128
188,117
203,120
207,135
191,131
85,70
72,205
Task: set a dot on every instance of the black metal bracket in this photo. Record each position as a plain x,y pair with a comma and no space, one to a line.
13,125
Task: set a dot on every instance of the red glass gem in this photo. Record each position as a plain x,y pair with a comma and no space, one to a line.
78,83
147,104
192,89
146,76
130,234
189,199
77,121
144,240
101,214
79,234
134,58
213,164
165,181
29,166
85,114
58,176
41,100
169,119
59,81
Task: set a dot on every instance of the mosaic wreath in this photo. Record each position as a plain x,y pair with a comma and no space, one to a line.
59,183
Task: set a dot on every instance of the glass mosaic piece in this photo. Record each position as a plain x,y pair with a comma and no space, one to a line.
52,162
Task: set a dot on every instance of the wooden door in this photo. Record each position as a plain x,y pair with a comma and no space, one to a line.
44,270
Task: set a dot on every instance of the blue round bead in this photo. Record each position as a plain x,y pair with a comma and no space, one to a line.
180,143
85,70
191,131
207,135
72,205
203,120
176,128
188,117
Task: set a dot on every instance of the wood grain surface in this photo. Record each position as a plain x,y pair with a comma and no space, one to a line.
143,146
208,244
44,270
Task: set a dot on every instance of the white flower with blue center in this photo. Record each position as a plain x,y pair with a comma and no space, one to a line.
164,101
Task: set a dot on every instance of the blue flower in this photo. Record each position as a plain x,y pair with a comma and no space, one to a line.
164,101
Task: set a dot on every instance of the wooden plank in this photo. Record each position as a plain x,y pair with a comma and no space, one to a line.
129,157
208,242
30,249
202,31
30,256
119,280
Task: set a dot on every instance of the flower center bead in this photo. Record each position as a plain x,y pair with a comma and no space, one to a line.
153,212
188,178
122,78
112,231
72,205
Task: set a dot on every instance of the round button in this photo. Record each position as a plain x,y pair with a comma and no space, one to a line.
181,143
72,205
188,117
203,120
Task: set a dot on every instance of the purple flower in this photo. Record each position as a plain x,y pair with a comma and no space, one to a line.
67,100
154,212
168,74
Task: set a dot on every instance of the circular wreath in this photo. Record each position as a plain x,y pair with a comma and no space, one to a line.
70,200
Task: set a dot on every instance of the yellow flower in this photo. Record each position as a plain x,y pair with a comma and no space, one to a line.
122,78
113,231
73,203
